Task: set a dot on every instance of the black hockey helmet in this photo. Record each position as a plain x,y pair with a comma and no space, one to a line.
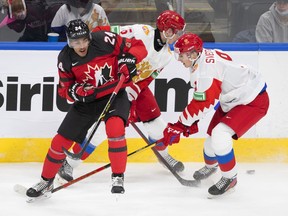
77,29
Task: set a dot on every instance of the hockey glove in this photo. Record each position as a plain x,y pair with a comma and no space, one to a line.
173,132
83,92
160,145
133,117
133,90
127,66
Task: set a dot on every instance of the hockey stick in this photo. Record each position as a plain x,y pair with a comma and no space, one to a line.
20,189
78,155
97,170
185,182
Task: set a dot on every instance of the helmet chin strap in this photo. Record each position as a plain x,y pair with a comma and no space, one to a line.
168,38
194,60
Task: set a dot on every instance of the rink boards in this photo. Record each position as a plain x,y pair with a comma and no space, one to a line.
31,111
188,150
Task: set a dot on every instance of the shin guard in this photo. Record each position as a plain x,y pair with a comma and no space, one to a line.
55,156
117,151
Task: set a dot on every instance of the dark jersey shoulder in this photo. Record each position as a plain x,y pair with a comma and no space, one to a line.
103,42
64,59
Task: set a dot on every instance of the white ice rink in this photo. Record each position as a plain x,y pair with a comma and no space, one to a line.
150,191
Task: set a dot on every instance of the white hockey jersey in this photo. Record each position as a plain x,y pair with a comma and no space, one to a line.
215,77
155,61
95,17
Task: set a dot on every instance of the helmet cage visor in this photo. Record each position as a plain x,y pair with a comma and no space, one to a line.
177,32
78,43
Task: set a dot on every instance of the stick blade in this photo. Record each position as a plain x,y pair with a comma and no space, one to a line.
190,183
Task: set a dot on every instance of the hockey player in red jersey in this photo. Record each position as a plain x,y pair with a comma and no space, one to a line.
144,106
89,68
243,99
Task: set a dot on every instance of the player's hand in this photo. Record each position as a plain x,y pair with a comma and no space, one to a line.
127,66
172,132
133,90
133,117
83,92
160,145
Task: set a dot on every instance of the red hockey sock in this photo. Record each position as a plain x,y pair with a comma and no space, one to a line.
117,144
55,156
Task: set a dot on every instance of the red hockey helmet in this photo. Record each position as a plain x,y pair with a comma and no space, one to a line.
188,42
170,19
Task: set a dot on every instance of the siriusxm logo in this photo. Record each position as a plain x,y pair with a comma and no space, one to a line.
18,96
15,96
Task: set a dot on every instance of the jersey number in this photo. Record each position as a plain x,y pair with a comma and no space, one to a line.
110,38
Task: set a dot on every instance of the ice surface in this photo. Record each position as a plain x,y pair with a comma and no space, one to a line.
151,190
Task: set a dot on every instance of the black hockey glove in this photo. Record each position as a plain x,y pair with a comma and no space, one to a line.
83,92
127,66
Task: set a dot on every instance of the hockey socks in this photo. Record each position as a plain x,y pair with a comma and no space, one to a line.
55,156
117,144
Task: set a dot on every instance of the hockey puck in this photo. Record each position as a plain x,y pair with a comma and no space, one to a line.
250,172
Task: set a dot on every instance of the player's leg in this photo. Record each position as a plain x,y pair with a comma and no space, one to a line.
210,160
52,163
115,122
149,113
222,144
117,152
65,173
233,124
64,139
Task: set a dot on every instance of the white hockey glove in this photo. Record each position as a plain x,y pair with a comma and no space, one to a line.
133,90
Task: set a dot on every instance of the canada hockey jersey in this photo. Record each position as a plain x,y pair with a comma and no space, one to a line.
100,66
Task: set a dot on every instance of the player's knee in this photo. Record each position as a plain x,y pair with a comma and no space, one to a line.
208,149
115,127
59,142
221,139
155,128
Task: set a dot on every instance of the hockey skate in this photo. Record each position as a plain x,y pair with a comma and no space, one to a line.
204,173
65,173
224,185
178,166
41,190
117,184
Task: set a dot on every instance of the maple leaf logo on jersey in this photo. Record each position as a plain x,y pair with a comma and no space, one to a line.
103,74
88,73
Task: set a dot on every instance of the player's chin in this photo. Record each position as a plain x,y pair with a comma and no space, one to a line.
82,53
186,65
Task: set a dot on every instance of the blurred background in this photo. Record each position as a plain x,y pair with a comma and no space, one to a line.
212,20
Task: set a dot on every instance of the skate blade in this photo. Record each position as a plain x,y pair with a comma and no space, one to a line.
117,193
43,197
230,191
117,196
